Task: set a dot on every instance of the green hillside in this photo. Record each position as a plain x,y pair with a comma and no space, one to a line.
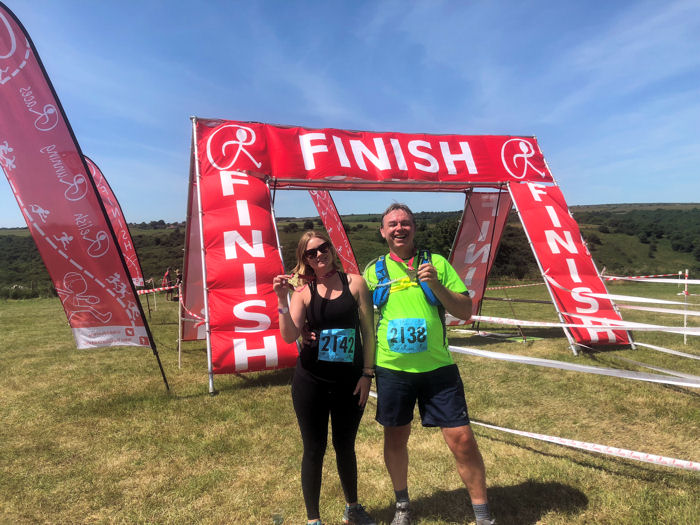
624,239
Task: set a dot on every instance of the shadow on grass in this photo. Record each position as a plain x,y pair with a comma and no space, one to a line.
260,379
518,504
114,404
232,382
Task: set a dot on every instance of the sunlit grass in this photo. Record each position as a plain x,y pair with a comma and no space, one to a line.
93,436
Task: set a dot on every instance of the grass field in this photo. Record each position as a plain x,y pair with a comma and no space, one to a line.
93,437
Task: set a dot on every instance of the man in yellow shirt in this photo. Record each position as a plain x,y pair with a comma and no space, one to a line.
413,290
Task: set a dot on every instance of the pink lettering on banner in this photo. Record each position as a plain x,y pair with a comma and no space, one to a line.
334,226
476,244
116,218
76,185
45,117
563,256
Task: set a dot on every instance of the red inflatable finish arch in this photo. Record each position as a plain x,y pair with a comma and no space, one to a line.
232,250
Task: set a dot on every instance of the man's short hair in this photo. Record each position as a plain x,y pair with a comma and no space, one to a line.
398,206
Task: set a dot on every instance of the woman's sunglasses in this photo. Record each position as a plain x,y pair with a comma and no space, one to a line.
312,252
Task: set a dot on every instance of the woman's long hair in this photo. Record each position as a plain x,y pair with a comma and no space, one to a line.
301,267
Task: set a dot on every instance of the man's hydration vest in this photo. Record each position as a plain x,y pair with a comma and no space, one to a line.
381,293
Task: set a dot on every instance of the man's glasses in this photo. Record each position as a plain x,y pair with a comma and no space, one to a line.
311,253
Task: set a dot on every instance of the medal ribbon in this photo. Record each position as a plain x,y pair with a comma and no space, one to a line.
398,259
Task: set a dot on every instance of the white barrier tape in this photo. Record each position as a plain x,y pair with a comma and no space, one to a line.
606,323
612,324
515,300
515,338
519,322
194,315
545,324
659,280
603,449
657,369
153,290
549,363
635,277
628,298
667,350
630,325
659,310
594,447
633,299
484,334
513,286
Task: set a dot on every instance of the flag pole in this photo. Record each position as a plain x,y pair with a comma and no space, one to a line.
207,326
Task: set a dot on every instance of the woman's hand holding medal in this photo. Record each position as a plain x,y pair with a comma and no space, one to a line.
285,282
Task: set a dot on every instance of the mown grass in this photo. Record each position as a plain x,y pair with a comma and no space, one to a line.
93,437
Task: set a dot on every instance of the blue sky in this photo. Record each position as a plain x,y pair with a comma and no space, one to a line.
611,89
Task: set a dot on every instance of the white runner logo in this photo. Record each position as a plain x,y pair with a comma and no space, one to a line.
11,34
6,161
511,158
76,299
244,137
7,51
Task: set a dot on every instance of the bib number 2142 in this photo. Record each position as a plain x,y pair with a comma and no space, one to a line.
337,345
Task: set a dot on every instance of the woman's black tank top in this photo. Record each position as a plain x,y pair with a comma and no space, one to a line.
323,314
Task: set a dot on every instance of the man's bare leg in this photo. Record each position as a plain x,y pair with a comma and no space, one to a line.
396,454
470,464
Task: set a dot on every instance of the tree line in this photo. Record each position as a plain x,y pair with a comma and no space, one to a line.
160,245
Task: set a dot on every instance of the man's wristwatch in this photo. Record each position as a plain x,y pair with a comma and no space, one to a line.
283,310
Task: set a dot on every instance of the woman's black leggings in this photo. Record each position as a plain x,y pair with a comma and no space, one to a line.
312,404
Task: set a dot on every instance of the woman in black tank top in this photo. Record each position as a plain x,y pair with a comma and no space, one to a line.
335,366
322,316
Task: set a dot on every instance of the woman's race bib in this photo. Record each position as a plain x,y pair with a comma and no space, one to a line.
337,345
407,336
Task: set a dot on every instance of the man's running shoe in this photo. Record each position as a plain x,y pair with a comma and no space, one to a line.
403,514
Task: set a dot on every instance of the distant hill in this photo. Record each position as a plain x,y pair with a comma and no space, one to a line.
625,239
617,208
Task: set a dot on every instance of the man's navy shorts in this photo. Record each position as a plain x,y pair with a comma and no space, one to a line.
440,396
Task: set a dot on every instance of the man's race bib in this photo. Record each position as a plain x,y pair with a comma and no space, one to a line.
337,345
407,336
